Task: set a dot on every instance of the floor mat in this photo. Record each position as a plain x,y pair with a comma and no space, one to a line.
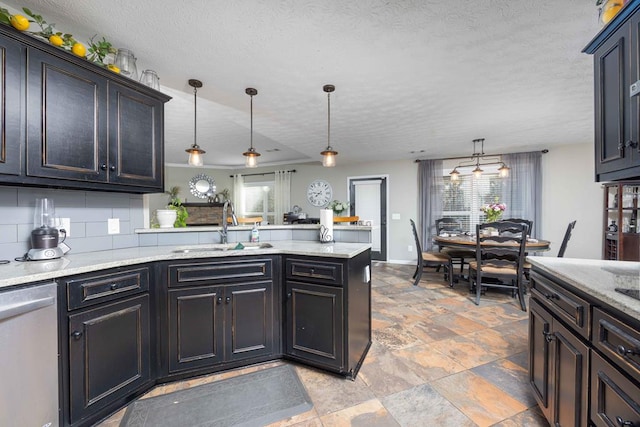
253,399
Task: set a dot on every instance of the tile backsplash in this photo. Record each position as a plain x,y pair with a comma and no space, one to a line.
88,211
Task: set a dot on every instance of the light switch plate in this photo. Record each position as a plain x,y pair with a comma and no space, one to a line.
113,226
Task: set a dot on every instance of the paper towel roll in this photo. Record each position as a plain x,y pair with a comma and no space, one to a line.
326,225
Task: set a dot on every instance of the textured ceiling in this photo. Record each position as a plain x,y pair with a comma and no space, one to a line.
414,78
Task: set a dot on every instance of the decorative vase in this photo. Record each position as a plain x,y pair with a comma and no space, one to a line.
166,217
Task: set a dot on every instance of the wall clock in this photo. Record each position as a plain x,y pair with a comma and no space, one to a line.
319,193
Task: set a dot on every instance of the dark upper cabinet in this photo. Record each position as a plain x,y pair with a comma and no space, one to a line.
67,120
12,65
617,114
86,127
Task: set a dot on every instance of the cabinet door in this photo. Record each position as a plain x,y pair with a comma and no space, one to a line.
612,102
615,400
539,337
113,335
250,314
570,365
135,138
67,120
196,327
12,66
315,323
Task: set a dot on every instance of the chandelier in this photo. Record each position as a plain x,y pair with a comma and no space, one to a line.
477,159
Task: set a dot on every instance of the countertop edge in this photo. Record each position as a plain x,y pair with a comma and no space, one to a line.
20,273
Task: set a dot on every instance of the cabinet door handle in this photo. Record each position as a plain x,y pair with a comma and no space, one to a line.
549,336
288,295
621,422
103,167
227,300
219,300
114,286
76,335
552,296
623,351
631,144
112,168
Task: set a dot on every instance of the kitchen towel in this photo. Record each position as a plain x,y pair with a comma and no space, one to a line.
326,225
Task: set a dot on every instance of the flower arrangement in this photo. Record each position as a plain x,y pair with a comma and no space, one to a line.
338,207
493,211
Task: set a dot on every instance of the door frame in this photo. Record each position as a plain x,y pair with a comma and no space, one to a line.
384,211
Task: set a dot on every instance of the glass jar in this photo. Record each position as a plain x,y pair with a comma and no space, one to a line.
126,61
151,79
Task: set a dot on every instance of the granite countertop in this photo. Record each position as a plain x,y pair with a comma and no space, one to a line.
17,273
200,228
597,278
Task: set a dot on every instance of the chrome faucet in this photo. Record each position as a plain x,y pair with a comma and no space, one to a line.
234,219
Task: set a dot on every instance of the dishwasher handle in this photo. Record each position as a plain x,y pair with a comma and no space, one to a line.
13,310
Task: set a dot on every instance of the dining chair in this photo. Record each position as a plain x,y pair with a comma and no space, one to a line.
349,219
430,259
499,259
458,256
527,222
565,240
247,220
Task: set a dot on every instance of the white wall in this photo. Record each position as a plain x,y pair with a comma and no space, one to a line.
570,193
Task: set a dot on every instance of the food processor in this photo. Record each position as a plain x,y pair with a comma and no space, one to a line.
45,237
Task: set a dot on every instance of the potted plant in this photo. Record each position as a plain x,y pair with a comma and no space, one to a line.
175,214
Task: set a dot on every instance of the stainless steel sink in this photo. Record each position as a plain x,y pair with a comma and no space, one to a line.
221,247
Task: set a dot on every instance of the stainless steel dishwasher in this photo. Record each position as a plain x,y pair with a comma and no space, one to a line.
29,356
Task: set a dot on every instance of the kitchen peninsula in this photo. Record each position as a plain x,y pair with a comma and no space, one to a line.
132,318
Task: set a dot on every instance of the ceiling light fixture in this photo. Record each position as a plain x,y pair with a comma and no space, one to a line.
251,154
479,158
329,154
195,152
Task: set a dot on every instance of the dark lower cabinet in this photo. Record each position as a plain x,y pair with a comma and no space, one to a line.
615,400
328,311
315,324
109,354
220,313
558,369
209,325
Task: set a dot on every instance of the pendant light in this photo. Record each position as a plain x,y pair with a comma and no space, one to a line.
195,152
329,154
477,159
251,154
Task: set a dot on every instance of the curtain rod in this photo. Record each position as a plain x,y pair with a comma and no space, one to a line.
263,173
545,151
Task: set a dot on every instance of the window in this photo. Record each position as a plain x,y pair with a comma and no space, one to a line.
462,199
258,200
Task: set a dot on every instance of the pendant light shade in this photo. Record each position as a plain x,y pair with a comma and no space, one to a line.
195,152
329,154
251,155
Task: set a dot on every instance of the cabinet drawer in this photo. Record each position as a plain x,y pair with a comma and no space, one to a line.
328,273
562,302
219,272
90,289
618,341
615,400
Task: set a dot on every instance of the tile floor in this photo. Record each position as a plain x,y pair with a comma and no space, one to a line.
437,359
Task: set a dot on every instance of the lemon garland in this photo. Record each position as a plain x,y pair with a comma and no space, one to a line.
97,50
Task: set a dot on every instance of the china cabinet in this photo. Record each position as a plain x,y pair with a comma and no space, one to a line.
621,229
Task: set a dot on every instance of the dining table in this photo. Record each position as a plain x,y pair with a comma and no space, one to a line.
467,241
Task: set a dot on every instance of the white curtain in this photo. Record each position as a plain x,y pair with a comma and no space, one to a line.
238,189
522,191
282,194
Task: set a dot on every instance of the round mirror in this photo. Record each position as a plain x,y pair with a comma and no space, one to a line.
202,186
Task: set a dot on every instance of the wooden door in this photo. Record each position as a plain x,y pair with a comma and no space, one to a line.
12,127
67,120
116,334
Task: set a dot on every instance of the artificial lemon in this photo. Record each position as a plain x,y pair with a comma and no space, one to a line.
113,68
56,40
19,22
78,49
610,10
